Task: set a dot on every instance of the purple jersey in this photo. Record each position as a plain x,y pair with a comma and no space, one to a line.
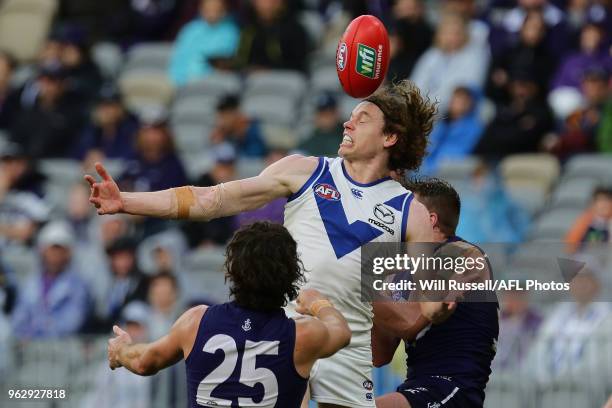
460,349
244,358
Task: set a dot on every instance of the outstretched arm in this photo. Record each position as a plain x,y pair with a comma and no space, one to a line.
204,203
149,358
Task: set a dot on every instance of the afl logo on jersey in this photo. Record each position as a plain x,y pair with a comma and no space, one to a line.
384,213
327,192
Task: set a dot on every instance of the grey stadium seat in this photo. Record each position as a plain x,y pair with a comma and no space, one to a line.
270,108
215,85
574,192
200,109
595,166
325,79
149,55
276,83
108,57
554,224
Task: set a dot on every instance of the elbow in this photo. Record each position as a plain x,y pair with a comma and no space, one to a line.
144,368
345,336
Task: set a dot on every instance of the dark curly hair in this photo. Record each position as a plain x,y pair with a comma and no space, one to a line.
263,266
440,197
410,115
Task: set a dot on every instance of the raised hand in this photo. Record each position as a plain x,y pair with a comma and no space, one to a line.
105,195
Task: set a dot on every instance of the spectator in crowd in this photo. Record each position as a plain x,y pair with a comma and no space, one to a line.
79,212
451,62
133,22
55,302
47,124
274,211
165,309
520,125
126,284
233,126
163,297
21,210
111,131
8,293
411,35
272,38
325,137
457,133
7,67
593,53
479,30
157,166
528,54
582,12
488,214
518,326
594,224
120,388
83,77
570,343
8,290
582,128
219,230
212,36
513,21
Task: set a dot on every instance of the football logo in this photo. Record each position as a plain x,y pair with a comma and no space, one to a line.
341,56
327,192
366,57
384,213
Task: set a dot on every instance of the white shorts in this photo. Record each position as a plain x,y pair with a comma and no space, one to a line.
344,378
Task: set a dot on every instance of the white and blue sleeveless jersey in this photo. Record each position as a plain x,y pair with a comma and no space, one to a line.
331,217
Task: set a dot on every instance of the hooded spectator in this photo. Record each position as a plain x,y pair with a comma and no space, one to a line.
56,301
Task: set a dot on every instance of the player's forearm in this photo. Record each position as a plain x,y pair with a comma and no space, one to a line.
133,357
338,328
159,204
383,347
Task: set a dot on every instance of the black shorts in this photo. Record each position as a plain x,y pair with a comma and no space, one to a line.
439,392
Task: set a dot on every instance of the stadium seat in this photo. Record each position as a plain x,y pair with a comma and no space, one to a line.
458,170
346,105
149,55
554,224
108,57
313,23
573,193
215,85
191,138
141,87
325,78
249,167
21,260
280,136
271,109
277,83
528,178
194,109
196,163
24,25
594,166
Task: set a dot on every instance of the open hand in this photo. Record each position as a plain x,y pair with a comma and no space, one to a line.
105,195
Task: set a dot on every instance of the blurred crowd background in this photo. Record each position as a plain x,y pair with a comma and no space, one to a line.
173,92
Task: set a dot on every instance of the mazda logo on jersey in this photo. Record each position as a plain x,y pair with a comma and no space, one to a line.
384,213
327,192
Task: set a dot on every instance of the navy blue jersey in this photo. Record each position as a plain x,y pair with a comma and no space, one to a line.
244,358
462,348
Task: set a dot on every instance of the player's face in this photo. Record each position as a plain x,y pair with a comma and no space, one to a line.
363,133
